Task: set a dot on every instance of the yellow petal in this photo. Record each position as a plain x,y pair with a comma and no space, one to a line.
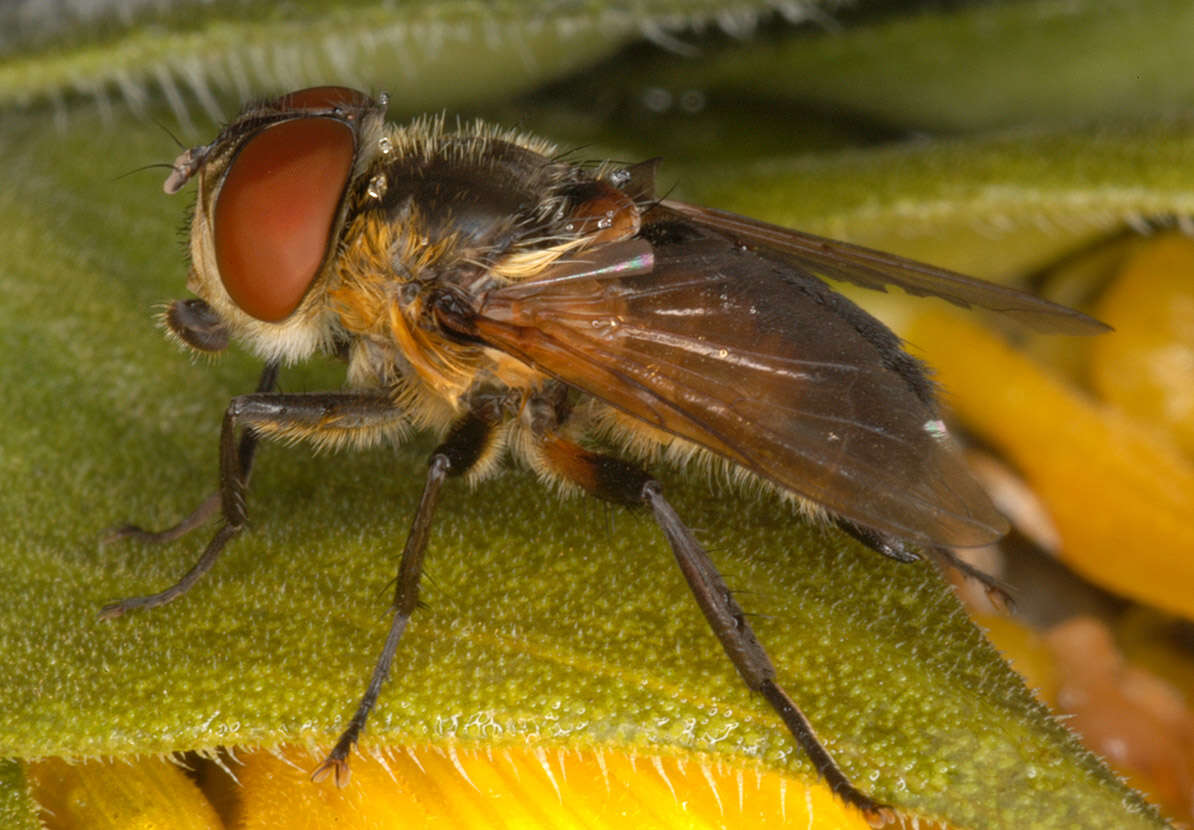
144,794
1147,368
516,786
1121,497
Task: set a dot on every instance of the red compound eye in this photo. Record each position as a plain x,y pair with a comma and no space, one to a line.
317,97
274,213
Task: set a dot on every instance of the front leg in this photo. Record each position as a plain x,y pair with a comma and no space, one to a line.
322,417
208,507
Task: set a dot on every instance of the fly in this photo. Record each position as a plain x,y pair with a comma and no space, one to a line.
562,316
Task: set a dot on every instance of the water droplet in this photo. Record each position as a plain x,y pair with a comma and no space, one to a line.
378,186
385,145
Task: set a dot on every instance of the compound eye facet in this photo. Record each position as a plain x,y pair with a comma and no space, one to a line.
275,210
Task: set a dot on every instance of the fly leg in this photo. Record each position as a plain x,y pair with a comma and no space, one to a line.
470,441
998,591
879,542
729,623
247,448
615,480
326,416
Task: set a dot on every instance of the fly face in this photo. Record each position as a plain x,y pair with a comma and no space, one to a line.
524,307
273,192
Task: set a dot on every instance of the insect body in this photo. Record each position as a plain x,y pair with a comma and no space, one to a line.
560,315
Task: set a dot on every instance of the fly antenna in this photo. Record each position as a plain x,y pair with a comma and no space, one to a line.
167,165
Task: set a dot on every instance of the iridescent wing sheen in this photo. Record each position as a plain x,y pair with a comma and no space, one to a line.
873,269
757,362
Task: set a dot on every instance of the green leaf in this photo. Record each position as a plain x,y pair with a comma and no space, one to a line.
976,66
997,205
556,618
17,810
428,54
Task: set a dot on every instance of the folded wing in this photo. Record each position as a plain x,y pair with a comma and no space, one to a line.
758,363
876,270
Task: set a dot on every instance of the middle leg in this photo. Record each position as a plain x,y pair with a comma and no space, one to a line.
470,441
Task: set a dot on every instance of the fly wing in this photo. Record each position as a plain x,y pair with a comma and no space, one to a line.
760,364
873,269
